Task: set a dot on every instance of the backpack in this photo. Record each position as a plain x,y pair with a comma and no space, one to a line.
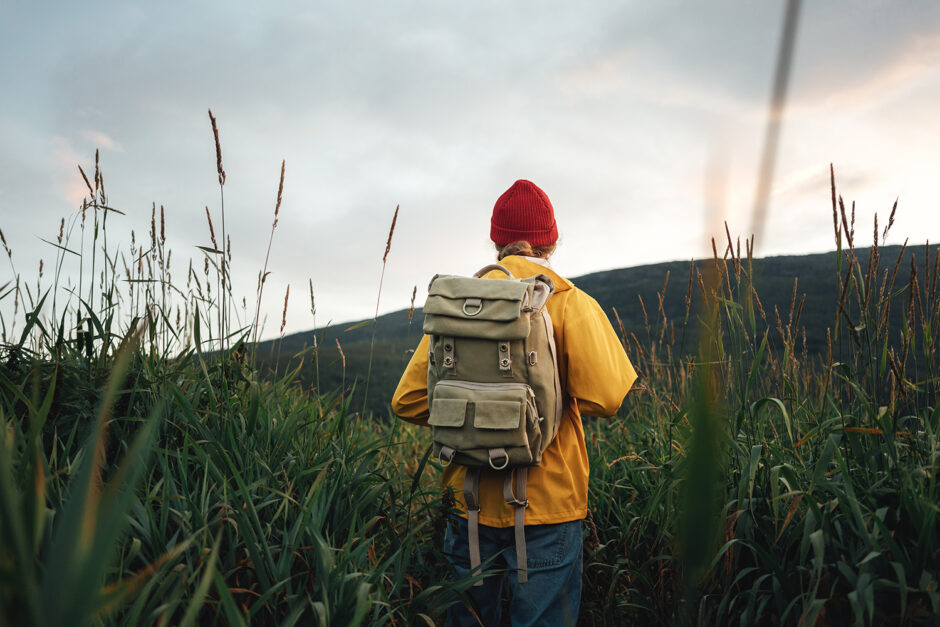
494,392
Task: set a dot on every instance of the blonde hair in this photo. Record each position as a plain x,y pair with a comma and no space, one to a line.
524,248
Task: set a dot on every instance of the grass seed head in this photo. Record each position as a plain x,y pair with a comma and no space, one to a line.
845,222
211,229
280,192
85,178
623,332
792,301
391,232
646,321
284,313
760,307
153,226
735,259
852,223
342,356
218,149
884,235
897,265
933,280
832,187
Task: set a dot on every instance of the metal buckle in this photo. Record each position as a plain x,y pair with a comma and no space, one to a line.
473,301
495,467
440,458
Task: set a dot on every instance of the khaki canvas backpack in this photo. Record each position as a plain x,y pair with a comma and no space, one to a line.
493,388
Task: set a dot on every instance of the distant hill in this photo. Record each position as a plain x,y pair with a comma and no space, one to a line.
622,289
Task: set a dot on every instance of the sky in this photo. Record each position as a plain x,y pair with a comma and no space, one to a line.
634,117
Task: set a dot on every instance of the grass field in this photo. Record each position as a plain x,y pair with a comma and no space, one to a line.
148,475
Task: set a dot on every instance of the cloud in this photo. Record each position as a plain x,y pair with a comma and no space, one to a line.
101,140
70,186
810,180
609,106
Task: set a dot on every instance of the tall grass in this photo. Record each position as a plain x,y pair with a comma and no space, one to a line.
148,475
822,505
375,318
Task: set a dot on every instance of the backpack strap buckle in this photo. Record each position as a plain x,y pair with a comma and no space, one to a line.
515,496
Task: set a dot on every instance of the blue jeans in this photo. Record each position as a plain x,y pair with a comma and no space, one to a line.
552,594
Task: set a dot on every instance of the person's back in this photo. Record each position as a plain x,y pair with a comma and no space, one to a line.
595,376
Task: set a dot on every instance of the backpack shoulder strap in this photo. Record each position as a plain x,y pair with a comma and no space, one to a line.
542,290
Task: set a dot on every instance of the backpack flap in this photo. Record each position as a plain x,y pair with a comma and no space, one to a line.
481,308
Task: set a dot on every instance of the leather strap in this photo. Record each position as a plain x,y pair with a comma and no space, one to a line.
471,495
517,499
450,359
521,567
492,266
505,358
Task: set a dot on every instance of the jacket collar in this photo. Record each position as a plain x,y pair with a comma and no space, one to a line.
522,268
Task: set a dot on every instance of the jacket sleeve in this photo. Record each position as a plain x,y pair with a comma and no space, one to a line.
410,401
599,372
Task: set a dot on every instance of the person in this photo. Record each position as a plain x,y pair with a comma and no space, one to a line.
595,376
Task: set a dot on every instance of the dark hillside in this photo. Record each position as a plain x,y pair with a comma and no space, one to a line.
624,290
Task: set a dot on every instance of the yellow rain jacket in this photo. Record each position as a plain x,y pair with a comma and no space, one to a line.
595,376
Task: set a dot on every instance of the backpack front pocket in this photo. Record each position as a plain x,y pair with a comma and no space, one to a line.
477,423
448,412
499,415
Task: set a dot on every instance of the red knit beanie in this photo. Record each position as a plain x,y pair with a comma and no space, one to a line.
523,212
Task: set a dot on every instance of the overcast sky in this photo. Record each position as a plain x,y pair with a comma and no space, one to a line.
616,109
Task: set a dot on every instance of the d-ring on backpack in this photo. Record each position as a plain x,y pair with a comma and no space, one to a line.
493,387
